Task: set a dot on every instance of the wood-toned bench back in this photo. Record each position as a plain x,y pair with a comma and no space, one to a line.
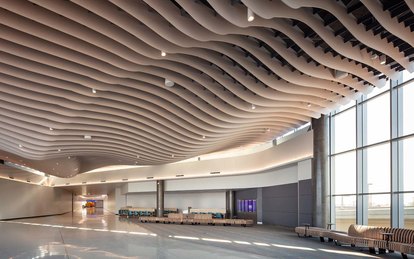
366,231
401,235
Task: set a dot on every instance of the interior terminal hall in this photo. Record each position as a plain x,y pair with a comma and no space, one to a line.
206,129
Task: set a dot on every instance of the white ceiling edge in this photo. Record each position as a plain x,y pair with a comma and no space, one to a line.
294,150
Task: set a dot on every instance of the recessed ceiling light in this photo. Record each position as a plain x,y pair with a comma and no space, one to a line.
68,157
20,146
163,53
309,105
50,128
59,150
172,156
250,15
94,90
203,137
253,106
383,59
268,129
168,83
338,74
137,156
87,137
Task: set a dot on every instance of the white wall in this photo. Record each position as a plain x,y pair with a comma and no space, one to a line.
180,200
110,204
19,200
199,200
142,200
272,177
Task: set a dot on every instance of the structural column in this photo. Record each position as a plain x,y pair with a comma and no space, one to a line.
320,171
230,204
160,198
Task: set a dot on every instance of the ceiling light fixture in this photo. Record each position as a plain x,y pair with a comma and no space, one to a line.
268,129
137,156
203,137
59,150
338,74
374,56
309,105
168,83
163,54
250,15
94,90
253,106
172,156
50,128
87,137
383,59
20,146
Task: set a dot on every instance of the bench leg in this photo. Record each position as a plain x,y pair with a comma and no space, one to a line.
322,239
372,250
381,250
404,256
330,240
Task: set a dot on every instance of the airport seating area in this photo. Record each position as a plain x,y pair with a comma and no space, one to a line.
196,216
196,219
379,239
136,212
216,213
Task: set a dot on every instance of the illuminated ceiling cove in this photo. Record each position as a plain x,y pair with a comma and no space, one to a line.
86,84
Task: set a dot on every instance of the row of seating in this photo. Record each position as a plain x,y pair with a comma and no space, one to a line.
381,238
196,219
140,212
216,213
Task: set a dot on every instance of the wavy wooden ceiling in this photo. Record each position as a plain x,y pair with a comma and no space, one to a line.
75,68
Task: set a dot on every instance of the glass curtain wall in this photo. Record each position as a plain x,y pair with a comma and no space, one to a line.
372,158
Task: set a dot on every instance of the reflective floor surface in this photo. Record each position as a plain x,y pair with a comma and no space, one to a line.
92,233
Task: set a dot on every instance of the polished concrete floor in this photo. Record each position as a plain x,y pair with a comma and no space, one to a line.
94,234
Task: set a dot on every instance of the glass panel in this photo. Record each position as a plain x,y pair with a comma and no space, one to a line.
407,76
344,173
406,115
344,131
378,119
377,90
379,210
345,212
408,199
407,164
378,168
345,106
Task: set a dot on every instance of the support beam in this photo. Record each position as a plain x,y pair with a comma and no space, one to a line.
160,198
230,204
320,171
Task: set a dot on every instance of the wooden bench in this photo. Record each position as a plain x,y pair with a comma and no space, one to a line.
196,219
381,238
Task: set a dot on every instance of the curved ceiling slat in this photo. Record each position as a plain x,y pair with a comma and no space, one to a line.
75,68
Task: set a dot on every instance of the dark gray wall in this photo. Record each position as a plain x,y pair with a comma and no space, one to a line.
305,201
248,194
285,205
280,205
